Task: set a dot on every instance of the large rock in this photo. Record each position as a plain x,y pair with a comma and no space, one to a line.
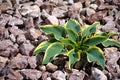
15,31
3,61
45,75
5,44
52,20
21,38
29,23
15,21
96,16
32,61
51,67
14,75
109,26
98,74
26,48
112,56
4,18
77,75
59,11
33,34
19,62
31,74
30,10
58,75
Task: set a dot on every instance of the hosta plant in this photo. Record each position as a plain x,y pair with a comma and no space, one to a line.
73,40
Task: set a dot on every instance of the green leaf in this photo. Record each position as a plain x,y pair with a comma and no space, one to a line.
111,42
66,41
96,54
73,36
73,57
89,30
72,24
94,40
106,34
41,47
57,31
52,50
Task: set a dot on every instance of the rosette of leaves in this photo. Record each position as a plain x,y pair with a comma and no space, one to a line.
73,40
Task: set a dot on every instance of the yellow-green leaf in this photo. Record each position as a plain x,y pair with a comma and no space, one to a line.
73,57
94,40
73,36
96,54
111,42
51,51
57,31
89,30
72,24
41,47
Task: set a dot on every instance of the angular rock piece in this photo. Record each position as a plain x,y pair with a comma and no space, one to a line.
15,21
5,53
109,26
98,74
90,11
21,38
15,31
31,74
77,75
14,75
4,44
96,17
12,38
32,61
59,75
19,62
4,18
52,20
51,67
59,12
3,61
30,10
33,34
45,75
112,56
29,23
26,48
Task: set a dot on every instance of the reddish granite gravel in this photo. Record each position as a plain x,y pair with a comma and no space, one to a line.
20,23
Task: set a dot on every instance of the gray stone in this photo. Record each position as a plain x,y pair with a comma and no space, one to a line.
58,75
112,56
51,67
15,21
45,75
98,74
14,75
21,38
32,61
76,75
19,62
12,37
52,20
30,10
5,44
14,30
59,11
31,74
90,11
94,6
26,48
33,34
29,23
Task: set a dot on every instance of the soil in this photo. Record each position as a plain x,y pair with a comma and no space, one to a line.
20,22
